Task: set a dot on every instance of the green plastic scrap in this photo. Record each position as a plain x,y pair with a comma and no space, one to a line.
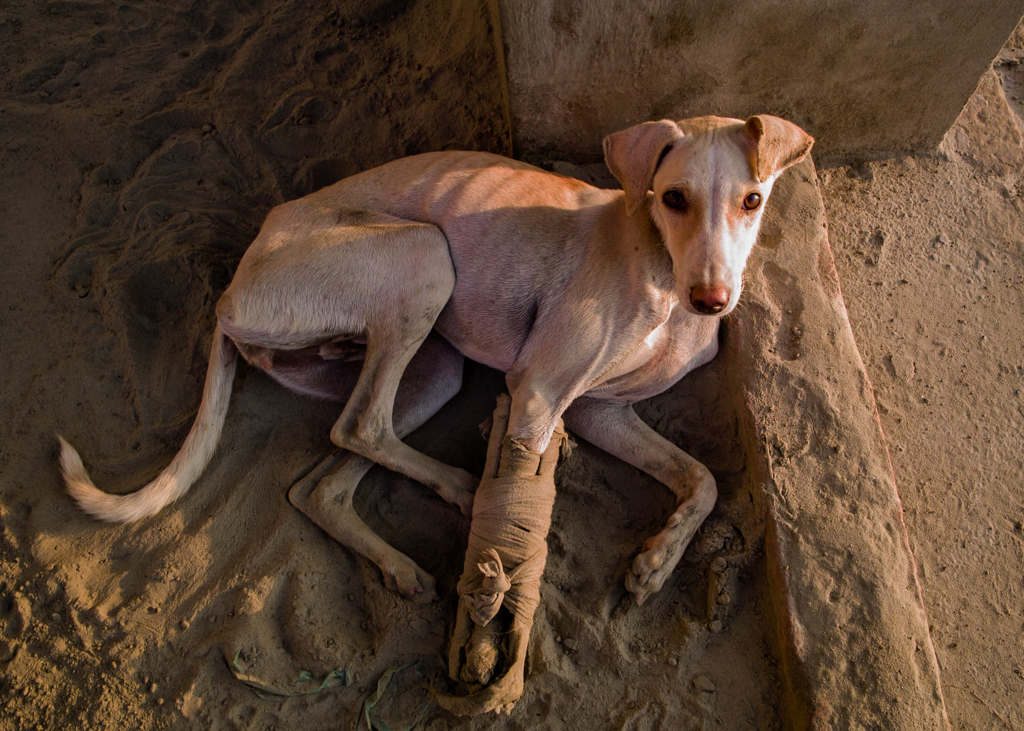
375,697
331,680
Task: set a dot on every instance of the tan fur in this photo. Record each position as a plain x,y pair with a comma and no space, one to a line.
584,297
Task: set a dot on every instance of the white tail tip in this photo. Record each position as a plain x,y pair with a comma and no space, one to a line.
95,502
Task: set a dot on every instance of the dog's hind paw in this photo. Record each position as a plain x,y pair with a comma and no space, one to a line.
459,490
410,581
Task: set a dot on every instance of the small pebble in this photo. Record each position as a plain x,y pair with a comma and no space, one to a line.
152,687
44,95
723,599
207,128
716,626
719,565
159,701
183,624
703,682
673,661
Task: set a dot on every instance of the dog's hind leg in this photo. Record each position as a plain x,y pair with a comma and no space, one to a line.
317,275
368,427
325,495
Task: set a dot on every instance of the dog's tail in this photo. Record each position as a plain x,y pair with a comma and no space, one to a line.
186,466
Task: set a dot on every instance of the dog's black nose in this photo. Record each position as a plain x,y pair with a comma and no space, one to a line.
709,300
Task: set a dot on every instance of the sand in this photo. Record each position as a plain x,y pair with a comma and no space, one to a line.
141,147
931,256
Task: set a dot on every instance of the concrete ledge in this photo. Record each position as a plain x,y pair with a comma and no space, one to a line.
867,79
851,627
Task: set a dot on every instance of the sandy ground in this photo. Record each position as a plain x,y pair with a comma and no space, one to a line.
140,148
931,257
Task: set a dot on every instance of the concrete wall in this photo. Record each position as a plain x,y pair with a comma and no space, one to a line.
867,78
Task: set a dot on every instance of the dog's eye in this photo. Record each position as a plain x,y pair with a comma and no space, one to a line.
674,199
752,201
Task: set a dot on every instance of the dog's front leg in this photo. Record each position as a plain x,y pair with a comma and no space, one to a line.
616,429
538,400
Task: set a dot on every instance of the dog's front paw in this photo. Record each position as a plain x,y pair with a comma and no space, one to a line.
656,561
661,553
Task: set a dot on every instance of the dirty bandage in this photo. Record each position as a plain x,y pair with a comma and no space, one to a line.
504,563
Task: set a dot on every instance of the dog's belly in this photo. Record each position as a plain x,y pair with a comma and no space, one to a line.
493,339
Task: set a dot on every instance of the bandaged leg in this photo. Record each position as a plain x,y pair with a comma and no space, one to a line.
500,586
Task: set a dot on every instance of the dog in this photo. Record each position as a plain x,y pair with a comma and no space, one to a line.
373,290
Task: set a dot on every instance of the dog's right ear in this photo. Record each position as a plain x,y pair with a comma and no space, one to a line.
633,156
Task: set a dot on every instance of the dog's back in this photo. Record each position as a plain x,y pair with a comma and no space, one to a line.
515,233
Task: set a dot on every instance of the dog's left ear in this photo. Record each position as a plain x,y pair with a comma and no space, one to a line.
773,145
633,156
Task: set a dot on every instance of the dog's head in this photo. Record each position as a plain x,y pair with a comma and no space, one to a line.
711,177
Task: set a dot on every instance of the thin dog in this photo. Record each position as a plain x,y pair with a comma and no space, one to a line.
372,291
